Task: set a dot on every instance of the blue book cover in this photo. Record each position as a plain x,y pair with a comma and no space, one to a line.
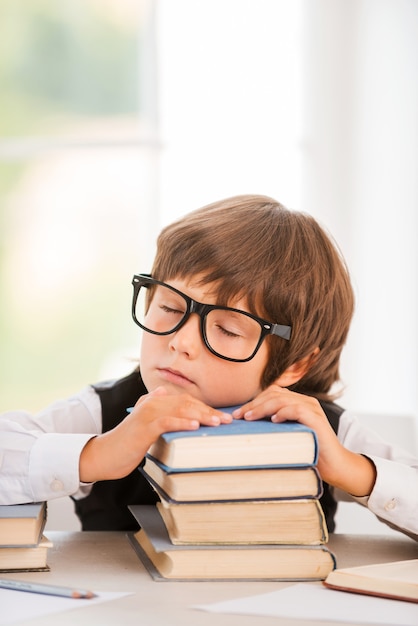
260,443
240,427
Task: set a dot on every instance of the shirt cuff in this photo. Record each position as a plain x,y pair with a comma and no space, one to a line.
54,465
390,498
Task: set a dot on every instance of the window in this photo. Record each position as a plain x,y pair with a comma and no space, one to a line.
77,148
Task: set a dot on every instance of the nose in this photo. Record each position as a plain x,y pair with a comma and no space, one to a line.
188,338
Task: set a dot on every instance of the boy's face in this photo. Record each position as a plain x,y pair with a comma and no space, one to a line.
182,363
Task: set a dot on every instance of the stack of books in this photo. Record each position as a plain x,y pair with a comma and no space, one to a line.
237,501
23,546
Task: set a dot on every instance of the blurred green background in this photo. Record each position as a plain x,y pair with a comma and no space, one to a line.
72,157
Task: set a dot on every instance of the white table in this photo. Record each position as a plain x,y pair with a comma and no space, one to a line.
105,561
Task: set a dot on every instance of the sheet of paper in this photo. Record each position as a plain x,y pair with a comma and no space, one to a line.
17,606
316,602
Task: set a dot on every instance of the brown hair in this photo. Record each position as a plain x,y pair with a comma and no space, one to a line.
283,264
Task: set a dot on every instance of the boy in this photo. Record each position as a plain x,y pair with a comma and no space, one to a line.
277,305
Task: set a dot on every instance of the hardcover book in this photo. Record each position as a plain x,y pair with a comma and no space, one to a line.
165,561
25,558
397,580
246,522
22,524
238,484
239,444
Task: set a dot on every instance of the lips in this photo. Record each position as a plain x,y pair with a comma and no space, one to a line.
174,376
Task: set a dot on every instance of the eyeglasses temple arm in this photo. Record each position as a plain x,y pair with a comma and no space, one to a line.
282,331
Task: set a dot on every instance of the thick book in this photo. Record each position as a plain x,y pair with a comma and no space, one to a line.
242,444
25,558
397,580
234,484
245,522
22,524
166,561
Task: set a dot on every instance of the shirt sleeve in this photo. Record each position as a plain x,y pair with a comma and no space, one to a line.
39,454
394,498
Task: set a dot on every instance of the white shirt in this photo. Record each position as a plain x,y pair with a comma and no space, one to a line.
39,459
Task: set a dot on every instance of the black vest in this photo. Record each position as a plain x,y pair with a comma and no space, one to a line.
105,508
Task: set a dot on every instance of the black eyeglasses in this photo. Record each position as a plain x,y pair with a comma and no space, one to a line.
228,333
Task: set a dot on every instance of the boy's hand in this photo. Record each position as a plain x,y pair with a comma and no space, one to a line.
118,452
354,473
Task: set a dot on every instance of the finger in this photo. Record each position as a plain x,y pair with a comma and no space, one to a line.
256,404
263,405
189,421
187,407
206,415
248,406
181,423
306,414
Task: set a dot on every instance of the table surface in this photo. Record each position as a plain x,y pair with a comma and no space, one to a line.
105,561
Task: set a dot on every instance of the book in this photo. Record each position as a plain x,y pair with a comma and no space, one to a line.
165,560
25,558
252,522
22,524
239,484
243,444
397,580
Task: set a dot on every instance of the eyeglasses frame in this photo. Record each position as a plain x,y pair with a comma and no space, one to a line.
193,306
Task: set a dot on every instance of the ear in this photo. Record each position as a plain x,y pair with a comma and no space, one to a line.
298,370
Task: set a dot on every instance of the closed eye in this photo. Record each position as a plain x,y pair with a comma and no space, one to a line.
226,332
170,310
